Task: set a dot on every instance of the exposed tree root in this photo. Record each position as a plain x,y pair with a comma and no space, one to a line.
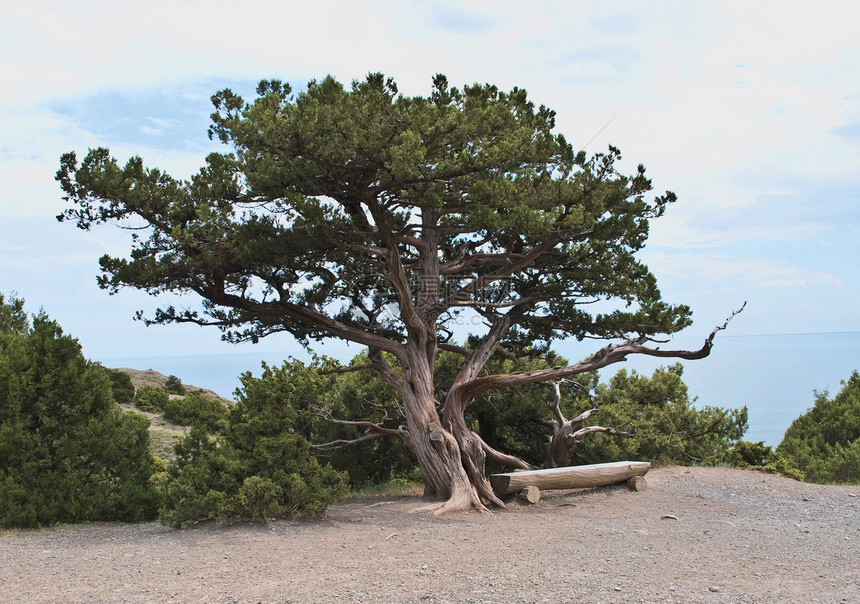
459,502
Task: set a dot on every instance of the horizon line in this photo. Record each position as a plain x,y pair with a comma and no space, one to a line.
301,350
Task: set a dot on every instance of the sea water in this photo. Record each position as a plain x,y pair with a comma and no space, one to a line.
774,376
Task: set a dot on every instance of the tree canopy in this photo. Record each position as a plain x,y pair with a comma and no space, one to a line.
384,219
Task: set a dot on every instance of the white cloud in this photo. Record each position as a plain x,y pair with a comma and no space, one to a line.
679,233
30,157
716,270
158,127
786,33
33,140
747,111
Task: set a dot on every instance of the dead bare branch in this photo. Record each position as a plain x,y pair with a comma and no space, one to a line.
334,445
592,429
608,355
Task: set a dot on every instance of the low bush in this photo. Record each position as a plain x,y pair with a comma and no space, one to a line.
824,442
260,468
758,456
196,408
68,453
173,385
123,389
151,398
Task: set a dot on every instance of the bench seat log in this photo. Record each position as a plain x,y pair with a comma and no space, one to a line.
570,477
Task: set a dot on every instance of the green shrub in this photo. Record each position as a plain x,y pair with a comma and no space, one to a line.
173,385
261,468
123,389
196,482
667,428
260,498
361,395
824,442
759,456
197,408
68,453
151,398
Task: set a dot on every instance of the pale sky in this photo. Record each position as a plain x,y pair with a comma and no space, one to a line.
749,111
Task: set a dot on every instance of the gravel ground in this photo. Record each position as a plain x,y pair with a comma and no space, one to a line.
695,535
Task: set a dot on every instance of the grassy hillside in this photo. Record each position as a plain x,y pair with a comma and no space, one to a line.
163,434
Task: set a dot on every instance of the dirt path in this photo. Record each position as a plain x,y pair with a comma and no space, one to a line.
695,535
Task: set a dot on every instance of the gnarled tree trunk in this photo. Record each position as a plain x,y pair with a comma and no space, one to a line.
436,447
451,456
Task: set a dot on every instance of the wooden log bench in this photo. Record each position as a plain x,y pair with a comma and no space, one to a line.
529,483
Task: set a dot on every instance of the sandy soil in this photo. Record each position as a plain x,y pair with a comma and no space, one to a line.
695,535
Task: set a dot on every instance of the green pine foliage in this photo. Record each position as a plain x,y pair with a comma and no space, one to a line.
824,443
262,468
68,453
